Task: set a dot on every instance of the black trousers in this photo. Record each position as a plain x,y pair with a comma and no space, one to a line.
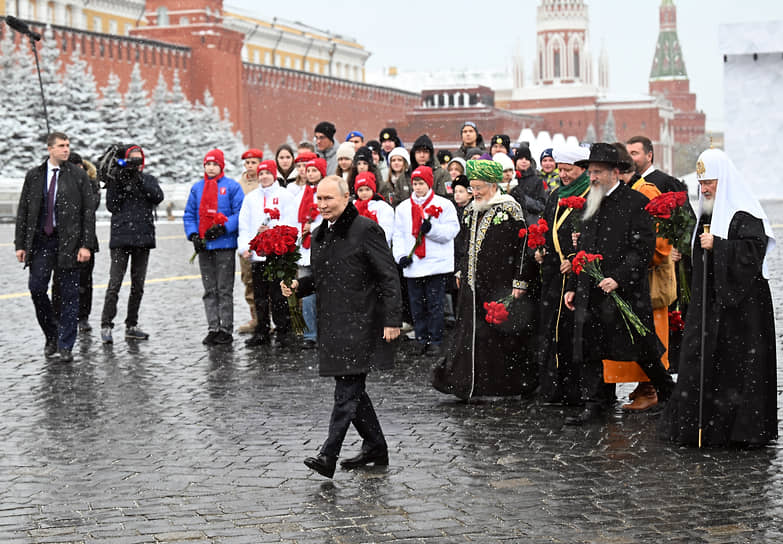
649,359
267,295
85,290
353,405
139,257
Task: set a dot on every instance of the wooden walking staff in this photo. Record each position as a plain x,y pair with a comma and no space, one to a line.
703,333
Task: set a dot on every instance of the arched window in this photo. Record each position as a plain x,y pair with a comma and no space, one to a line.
556,57
576,63
163,16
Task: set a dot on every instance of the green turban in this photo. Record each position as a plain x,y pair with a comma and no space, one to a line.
489,171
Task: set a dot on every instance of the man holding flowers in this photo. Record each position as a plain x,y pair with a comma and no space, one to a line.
617,227
488,356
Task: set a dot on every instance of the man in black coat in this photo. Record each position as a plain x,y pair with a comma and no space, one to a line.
359,306
55,229
616,226
131,197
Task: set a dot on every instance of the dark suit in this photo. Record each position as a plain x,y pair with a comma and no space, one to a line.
358,294
56,253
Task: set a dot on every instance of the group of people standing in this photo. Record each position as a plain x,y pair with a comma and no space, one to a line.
389,235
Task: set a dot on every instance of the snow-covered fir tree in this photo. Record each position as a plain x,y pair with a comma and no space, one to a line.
57,103
111,112
82,121
138,114
21,119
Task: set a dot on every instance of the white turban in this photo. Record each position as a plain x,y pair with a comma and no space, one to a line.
570,154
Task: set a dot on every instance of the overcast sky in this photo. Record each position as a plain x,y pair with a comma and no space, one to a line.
469,34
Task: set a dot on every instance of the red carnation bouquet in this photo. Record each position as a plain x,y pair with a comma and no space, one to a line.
575,204
278,245
676,225
217,219
431,211
272,214
497,311
591,263
535,234
675,321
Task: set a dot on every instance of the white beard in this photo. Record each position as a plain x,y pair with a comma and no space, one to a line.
707,206
481,206
594,199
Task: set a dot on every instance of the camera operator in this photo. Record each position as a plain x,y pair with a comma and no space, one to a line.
131,197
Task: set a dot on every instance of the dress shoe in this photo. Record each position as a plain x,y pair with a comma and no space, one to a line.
209,339
591,413
309,344
50,349
641,387
65,355
257,340
380,458
322,464
642,403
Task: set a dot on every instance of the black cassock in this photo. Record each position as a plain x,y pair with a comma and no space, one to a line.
740,359
484,360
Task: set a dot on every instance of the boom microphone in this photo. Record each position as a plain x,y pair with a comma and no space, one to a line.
21,27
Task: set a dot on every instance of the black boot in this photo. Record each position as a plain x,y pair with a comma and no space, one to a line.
378,457
323,464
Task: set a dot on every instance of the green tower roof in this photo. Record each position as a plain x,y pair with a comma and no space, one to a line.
668,61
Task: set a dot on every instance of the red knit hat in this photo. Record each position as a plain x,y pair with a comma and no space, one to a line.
270,166
305,156
318,163
253,154
215,155
424,173
365,179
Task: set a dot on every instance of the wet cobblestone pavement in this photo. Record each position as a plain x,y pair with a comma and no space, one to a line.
168,441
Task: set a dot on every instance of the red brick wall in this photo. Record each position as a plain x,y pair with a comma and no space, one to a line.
277,103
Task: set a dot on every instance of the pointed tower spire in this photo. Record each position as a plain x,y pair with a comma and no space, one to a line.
668,62
603,68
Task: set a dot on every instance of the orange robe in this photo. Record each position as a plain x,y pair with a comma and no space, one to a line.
629,371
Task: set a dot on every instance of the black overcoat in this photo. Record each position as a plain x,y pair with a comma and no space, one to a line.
74,213
357,290
623,232
132,203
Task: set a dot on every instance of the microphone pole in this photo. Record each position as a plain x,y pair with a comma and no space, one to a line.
22,28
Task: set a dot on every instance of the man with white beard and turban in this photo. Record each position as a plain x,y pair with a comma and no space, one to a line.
491,359
616,226
739,385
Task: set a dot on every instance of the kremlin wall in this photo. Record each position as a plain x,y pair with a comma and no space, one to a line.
278,79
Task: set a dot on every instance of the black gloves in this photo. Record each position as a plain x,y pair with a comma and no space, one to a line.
198,244
214,232
405,262
426,226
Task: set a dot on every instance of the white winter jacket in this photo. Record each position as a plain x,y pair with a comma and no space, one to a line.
439,258
252,215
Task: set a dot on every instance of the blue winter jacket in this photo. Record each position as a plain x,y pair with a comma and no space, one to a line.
230,196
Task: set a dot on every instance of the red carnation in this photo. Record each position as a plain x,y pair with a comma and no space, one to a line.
675,321
273,213
573,202
434,211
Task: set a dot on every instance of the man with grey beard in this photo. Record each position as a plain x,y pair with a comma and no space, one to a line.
617,227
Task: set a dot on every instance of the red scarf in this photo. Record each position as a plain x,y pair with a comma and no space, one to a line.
362,206
304,211
208,207
417,218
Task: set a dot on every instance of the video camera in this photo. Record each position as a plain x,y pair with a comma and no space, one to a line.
113,166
